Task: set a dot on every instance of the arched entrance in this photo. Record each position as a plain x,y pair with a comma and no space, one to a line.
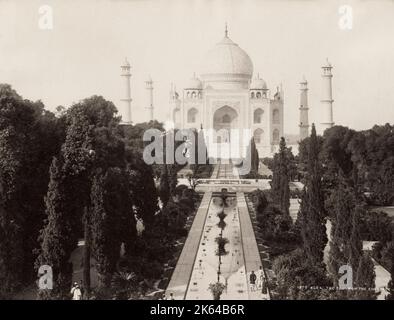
224,120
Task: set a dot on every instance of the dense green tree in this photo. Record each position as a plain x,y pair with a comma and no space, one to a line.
346,242
364,158
336,148
188,199
142,187
141,175
133,134
133,139
58,238
281,178
255,157
260,201
29,137
355,245
378,164
269,162
169,170
252,157
303,155
365,279
387,258
297,278
376,226
112,221
343,207
313,229
274,224
174,218
91,143
107,150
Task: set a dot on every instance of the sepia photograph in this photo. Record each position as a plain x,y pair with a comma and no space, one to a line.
197,150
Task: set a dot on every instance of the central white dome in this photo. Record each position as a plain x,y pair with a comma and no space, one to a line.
227,62
227,58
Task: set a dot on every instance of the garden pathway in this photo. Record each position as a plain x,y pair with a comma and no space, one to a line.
199,263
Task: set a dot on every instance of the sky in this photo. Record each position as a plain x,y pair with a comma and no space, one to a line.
167,40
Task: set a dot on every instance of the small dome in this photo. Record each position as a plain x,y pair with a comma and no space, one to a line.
194,83
258,84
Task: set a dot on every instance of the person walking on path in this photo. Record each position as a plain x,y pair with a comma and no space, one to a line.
83,293
252,281
76,292
264,289
260,277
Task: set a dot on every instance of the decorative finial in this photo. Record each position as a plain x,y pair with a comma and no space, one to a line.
226,31
126,62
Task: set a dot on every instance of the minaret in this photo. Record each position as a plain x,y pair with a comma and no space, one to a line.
149,88
126,101
327,115
304,123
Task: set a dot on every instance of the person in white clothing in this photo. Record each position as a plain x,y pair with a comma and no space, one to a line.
260,277
76,292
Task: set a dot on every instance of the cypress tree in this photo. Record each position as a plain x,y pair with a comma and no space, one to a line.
252,157
58,238
313,229
355,246
281,178
365,278
200,152
110,206
29,137
255,157
342,208
261,201
346,243
142,188
275,183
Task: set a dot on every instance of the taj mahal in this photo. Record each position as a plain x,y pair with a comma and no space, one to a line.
229,96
